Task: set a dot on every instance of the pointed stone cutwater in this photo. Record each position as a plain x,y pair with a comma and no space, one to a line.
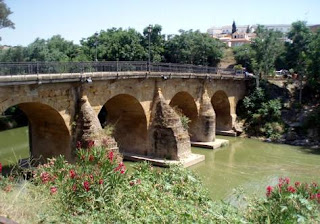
89,127
206,126
169,140
206,120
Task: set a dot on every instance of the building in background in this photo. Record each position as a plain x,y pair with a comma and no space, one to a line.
244,33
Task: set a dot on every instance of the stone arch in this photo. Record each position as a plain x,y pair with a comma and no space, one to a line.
186,104
221,106
48,133
127,115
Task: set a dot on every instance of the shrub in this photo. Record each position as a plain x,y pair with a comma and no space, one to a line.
86,185
184,119
285,203
263,116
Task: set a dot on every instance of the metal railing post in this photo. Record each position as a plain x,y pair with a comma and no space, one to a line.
37,68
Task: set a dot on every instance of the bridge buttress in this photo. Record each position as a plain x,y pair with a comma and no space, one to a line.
206,122
168,138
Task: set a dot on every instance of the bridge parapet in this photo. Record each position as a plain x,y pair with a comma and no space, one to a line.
51,72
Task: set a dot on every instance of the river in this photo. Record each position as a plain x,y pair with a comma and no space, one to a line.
245,165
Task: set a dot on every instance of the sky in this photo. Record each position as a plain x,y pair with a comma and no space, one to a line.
77,19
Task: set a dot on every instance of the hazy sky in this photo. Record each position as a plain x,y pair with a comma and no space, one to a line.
77,19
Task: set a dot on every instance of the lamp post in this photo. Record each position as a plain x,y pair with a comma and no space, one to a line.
96,44
149,36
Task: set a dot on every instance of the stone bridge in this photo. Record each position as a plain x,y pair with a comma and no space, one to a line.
70,102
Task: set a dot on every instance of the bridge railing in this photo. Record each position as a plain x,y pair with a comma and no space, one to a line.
31,68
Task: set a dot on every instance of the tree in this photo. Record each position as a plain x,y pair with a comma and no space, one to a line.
266,47
313,73
243,55
115,44
5,12
298,50
248,29
193,47
157,42
13,54
54,49
234,27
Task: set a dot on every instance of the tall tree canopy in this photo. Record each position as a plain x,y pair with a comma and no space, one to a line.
5,12
266,46
299,47
157,42
313,74
54,49
193,47
190,47
234,27
115,44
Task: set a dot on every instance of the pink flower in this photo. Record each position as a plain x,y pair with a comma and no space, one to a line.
285,180
291,189
72,174
121,167
100,181
78,145
0,168
312,196
297,184
53,190
74,187
279,186
45,177
110,156
86,185
90,144
269,190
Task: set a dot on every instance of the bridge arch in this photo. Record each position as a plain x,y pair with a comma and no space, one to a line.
48,132
126,115
222,108
185,104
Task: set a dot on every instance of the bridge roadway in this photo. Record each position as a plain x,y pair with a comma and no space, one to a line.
57,72
71,102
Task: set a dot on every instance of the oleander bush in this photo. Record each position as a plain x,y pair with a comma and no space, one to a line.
99,189
285,203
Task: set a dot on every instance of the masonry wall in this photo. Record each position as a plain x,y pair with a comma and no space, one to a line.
53,108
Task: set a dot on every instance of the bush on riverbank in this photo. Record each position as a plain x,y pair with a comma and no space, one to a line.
262,115
98,189
285,203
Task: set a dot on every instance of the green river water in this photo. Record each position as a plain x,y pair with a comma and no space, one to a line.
245,164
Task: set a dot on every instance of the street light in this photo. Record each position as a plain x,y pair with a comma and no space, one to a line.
149,35
96,44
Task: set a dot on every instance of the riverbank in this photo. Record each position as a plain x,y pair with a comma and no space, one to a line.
98,189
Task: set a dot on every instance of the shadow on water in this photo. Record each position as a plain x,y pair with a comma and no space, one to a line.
311,150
